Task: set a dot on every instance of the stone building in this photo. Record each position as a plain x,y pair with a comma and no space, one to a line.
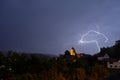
72,52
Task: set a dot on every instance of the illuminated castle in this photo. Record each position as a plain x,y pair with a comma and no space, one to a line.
71,56
72,51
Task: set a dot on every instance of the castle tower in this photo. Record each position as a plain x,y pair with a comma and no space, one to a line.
72,51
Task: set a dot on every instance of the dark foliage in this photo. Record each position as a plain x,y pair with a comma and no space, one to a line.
14,66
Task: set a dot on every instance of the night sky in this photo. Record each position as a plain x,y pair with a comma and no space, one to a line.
52,26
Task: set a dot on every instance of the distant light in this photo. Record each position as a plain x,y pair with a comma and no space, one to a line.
2,66
10,69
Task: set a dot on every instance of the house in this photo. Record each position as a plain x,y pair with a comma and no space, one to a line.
115,64
110,63
103,57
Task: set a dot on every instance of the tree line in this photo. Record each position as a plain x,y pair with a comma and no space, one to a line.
15,66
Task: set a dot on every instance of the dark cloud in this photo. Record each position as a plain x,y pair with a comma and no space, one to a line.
51,26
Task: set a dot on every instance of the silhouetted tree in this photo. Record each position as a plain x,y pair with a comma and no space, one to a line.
67,53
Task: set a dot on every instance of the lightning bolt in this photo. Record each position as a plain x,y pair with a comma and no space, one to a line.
92,41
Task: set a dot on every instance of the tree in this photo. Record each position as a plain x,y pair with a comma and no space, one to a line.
77,74
80,74
99,72
67,53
